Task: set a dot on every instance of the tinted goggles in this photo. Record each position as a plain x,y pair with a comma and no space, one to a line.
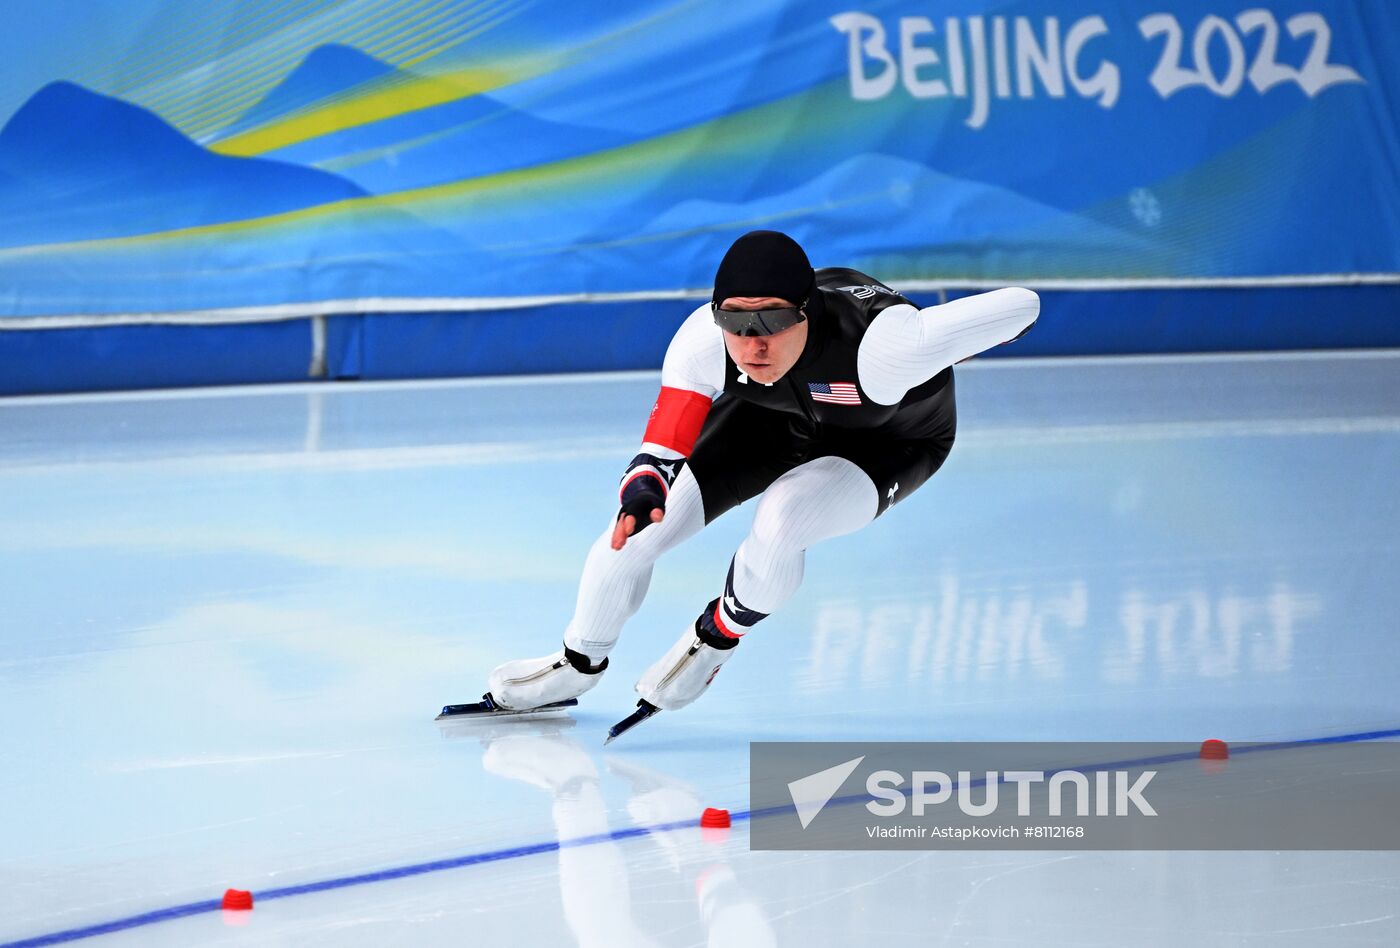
756,322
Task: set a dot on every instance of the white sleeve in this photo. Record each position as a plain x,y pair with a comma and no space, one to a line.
905,347
695,358
694,363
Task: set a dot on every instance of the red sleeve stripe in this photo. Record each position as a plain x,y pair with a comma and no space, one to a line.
676,419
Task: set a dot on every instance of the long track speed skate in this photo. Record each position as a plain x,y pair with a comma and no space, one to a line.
645,709
488,708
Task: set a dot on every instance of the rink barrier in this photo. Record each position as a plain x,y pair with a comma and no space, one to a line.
473,304
375,339
634,832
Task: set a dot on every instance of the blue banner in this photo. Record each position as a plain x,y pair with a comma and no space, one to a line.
256,158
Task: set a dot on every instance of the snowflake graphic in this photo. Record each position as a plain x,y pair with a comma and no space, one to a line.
1145,207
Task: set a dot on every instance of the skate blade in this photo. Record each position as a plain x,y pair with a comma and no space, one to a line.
487,709
645,709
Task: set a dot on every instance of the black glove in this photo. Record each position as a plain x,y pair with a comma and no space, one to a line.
644,488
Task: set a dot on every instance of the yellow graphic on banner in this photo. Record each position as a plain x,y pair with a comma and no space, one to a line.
400,96
723,139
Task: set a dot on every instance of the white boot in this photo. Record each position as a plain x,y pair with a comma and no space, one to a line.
683,673
531,682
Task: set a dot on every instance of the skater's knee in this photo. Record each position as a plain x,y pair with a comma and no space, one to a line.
824,498
781,518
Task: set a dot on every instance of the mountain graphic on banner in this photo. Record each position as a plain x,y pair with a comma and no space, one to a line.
886,205
326,72
465,135
78,165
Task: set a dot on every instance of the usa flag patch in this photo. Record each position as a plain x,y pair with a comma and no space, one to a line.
834,393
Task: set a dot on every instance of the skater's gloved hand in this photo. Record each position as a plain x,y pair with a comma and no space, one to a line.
636,515
642,497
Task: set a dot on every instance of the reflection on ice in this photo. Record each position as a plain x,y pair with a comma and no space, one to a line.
1194,634
595,882
947,634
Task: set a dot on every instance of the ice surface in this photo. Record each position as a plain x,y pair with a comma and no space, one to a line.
227,619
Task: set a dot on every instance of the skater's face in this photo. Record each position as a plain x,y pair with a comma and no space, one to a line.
765,358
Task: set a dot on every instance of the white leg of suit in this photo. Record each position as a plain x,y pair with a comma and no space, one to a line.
818,500
613,586
615,582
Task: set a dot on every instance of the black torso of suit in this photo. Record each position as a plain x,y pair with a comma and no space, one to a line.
823,390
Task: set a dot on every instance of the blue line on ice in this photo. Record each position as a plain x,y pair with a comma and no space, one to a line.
516,852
